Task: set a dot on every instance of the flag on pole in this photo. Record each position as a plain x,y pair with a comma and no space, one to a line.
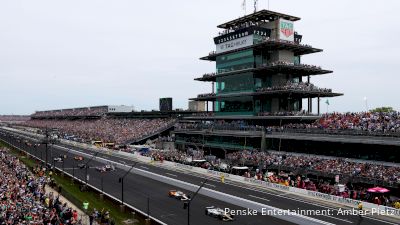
327,101
244,5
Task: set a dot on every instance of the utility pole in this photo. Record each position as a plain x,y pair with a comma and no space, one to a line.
186,205
121,180
87,165
279,148
46,142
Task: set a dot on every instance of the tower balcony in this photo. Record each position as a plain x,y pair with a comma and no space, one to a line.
271,45
281,67
302,90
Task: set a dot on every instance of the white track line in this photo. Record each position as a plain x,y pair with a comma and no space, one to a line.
171,174
259,198
211,185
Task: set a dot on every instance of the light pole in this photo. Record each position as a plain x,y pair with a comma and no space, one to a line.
279,149
121,180
87,165
186,205
366,104
65,157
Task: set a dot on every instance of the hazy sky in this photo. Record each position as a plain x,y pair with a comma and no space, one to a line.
60,54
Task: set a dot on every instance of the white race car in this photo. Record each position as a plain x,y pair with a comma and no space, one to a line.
178,195
109,168
218,213
105,168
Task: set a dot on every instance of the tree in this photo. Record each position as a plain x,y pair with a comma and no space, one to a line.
383,109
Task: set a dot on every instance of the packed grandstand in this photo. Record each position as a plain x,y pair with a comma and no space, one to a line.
118,131
370,122
260,164
123,130
24,196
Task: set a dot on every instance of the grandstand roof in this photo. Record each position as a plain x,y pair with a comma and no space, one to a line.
262,15
67,109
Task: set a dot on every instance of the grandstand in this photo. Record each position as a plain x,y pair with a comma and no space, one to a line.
99,124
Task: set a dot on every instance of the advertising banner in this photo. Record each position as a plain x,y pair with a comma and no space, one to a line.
235,44
286,30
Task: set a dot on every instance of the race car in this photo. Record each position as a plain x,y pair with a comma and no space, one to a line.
109,167
100,169
218,213
79,158
105,168
58,159
178,195
81,166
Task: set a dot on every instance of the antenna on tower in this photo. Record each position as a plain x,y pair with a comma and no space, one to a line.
244,6
255,5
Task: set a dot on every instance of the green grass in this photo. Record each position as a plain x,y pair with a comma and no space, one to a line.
71,191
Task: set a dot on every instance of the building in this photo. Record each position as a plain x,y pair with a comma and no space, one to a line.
165,104
199,106
120,109
259,70
260,80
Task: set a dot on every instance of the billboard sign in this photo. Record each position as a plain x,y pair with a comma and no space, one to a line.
286,30
235,44
260,31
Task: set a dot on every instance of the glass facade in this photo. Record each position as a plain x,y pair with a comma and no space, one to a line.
221,141
249,82
235,83
235,61
236,105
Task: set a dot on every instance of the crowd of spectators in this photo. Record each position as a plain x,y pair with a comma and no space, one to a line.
276,63
356,192
76,112
373,122
268,39
203,114
266,160
219,125
260,164
23,199
206,95
274,40
209,75
315,163
367,122
13,118
286,63
117,131
300,86
292,113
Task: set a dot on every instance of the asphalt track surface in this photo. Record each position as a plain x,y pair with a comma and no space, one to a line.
170,211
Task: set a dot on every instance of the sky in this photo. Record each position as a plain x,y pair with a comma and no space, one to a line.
64,54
